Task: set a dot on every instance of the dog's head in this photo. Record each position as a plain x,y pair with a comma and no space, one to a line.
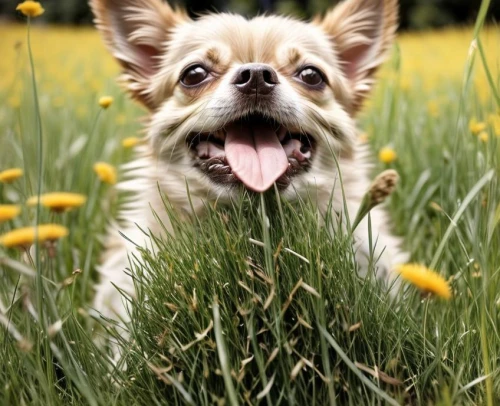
249,102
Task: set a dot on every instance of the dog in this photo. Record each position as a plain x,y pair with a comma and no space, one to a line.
235,103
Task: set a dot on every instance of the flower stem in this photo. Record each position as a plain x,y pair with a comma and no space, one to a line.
39,276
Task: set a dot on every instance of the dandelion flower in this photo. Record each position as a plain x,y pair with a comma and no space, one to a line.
30,8
10,175
476,127
24,237
105,101
425,279
483,136
387,155
131,142
59,201
105,172
8,212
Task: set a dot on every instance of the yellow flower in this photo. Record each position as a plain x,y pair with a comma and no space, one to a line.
105,172
425,279
24,237
475,126
387,155
58,201
105,101
8,212
10,175
131,142
483,136
30,8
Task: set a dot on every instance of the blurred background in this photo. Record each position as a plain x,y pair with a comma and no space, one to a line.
415,14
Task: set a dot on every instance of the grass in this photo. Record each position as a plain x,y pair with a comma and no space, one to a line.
258,302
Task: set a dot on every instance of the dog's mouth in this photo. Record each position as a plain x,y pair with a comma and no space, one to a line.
255,150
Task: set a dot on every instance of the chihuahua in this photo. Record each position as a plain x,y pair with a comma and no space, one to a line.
235,104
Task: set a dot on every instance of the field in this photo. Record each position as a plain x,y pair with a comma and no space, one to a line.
242,323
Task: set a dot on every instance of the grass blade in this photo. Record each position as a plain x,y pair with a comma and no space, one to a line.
355,369
221,350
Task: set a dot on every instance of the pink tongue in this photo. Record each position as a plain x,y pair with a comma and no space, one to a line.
255,155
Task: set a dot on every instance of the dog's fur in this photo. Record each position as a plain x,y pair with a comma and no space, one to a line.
155,44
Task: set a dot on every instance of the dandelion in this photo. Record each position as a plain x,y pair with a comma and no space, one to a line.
425,279
476,127
105,101
8,212
387,155
105,172
130,142
10,175
30,8
26,236
59,201
483,136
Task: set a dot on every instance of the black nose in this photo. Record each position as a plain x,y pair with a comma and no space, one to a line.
255,78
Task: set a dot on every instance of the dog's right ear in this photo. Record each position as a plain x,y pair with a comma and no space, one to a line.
136,31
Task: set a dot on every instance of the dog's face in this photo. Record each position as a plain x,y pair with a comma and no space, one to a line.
248,103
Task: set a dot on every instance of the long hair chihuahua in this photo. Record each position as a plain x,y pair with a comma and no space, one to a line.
239,104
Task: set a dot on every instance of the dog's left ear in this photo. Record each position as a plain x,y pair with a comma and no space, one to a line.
361,32
136,32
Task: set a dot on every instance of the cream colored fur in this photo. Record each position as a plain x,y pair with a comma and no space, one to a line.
154,43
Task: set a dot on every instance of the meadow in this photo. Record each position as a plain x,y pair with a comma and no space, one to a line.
255,314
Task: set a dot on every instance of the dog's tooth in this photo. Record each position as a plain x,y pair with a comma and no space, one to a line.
214,167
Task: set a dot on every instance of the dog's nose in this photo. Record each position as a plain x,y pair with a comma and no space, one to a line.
255,78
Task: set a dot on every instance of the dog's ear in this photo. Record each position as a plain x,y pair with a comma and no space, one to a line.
135,31
361,32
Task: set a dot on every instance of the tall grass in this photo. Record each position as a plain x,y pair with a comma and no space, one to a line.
259,302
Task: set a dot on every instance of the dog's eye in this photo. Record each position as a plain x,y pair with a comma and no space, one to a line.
194,76
311,76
